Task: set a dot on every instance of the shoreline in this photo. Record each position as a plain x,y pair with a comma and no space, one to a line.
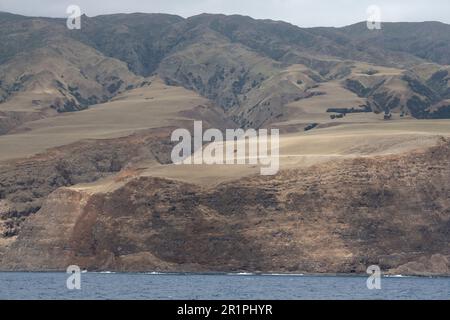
239,274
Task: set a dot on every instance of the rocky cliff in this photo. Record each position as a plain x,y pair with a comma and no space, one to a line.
340,217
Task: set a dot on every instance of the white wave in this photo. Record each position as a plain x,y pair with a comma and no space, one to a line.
284,274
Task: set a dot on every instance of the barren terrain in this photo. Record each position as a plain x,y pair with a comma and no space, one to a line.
86,175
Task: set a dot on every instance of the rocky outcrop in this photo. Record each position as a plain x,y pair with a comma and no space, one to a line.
425,266
393,211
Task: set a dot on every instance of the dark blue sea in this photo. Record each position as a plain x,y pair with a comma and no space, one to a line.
106,286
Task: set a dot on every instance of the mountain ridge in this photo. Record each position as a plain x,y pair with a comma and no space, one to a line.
170,45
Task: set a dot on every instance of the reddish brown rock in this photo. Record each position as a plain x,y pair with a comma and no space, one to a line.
393,211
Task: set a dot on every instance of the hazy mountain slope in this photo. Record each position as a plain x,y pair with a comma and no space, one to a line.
64,75
141,40
44,70
426,40
218,69
236,61
197,64
281,41
149,37
21,34
437,77
405,93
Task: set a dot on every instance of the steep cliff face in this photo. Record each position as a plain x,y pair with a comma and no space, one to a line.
26,183
393,211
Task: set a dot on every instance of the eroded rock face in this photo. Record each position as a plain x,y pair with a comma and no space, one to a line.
340,217
25,184
436,264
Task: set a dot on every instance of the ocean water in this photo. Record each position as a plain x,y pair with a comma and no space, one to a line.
106,286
